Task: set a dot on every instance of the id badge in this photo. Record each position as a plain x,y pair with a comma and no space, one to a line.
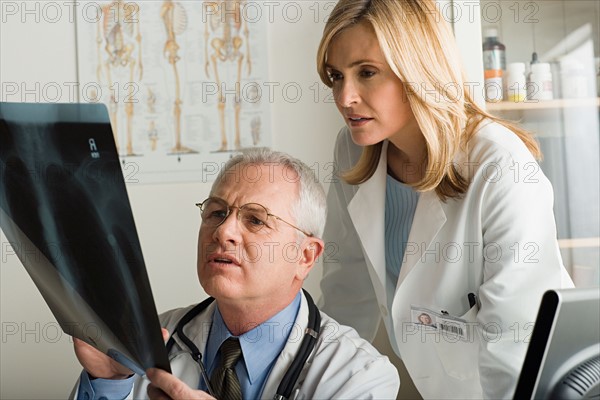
443,322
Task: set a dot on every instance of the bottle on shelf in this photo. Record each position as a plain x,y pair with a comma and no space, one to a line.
494,64
572,78
534,60
540,85
515,82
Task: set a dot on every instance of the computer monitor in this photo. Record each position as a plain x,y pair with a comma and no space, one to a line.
563,357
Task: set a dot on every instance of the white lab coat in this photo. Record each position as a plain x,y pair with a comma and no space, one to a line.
341,366
498,241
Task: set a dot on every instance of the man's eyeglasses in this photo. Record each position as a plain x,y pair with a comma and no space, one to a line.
253,216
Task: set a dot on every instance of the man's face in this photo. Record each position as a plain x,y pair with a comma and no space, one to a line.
236,265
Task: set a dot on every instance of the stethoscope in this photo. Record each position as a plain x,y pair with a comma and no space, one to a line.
284,390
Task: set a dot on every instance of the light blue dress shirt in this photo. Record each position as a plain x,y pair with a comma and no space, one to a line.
101,389
260,348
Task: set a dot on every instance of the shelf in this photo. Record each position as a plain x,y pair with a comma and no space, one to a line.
579,243
543,104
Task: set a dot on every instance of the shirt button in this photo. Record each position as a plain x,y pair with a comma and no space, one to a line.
384,310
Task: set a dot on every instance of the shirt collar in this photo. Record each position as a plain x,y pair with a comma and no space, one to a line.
261,345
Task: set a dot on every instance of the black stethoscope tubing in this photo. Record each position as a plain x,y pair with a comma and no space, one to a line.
284,390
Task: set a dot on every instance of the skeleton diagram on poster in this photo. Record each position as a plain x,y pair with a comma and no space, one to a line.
182,82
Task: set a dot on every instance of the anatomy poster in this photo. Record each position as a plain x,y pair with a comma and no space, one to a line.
183,82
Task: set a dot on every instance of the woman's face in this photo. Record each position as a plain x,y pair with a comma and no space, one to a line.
368,94
425,319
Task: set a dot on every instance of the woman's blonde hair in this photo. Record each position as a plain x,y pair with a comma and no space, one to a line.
420,49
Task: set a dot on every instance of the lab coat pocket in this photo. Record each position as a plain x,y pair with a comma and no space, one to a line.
459,354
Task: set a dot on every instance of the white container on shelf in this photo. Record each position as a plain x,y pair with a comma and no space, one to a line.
574,83
516,89
493,86
540,85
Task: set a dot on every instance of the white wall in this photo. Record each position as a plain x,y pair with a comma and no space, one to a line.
36,48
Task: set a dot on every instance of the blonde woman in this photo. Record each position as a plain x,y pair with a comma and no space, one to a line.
441,208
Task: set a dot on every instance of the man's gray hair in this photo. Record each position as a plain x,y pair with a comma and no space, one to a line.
310,209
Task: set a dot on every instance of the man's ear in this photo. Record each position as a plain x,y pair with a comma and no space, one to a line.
311,249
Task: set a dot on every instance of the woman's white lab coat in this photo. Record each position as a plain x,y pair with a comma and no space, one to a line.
498,242
342,365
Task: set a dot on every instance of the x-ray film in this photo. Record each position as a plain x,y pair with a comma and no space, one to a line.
64,208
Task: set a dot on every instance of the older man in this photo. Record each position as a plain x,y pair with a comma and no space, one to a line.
262,336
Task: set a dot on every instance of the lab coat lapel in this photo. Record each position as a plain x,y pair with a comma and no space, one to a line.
427,222
182,365
289,352
367,211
